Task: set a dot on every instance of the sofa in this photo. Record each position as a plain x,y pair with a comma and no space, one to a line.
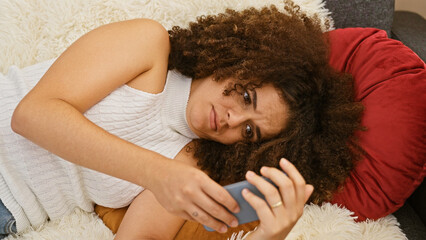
41,38
410,29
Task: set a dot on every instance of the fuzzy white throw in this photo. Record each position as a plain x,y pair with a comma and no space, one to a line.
34,31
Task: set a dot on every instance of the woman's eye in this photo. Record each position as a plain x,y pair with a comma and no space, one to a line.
247,99
248,133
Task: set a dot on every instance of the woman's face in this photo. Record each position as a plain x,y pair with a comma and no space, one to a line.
251,116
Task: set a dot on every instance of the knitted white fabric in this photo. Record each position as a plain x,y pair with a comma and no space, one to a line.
36,185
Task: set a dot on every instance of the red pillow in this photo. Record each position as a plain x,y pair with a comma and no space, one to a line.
390,80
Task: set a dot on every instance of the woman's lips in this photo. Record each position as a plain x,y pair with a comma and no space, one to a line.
213,125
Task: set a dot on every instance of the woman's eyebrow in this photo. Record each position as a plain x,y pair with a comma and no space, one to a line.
254,99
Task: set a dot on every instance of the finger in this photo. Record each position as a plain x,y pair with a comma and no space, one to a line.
214,200
284,183
216,213
260,206
270,192
220,195
296,177
204,218
309,189
186,216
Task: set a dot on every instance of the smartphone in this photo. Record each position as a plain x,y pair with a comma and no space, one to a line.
246,213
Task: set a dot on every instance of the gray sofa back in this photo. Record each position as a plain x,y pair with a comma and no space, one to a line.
362,13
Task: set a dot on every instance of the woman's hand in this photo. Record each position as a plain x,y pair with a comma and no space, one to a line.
189,193
283,206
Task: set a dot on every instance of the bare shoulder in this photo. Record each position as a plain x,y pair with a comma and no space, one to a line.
143,40
133,30
148,49
142,29
153,81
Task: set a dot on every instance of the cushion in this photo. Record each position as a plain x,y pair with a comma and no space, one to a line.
111,216
390,80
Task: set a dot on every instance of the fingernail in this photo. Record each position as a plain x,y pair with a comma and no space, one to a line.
250,174
223,229
245,191
264,169
234,223
283,161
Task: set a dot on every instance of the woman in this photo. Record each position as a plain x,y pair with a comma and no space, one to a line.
260,81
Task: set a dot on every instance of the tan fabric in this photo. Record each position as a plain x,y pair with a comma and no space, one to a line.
110,216
190,230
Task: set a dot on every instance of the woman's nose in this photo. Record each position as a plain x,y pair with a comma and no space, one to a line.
235,119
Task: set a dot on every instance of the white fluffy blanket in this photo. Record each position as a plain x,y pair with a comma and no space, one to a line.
33,31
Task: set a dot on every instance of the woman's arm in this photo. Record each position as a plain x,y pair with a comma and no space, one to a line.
51,115
147,219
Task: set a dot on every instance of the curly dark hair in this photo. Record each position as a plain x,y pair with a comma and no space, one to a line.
289,51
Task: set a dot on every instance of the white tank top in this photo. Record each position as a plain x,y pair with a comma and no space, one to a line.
36,185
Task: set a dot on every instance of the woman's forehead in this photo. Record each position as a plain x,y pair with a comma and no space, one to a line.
272,109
